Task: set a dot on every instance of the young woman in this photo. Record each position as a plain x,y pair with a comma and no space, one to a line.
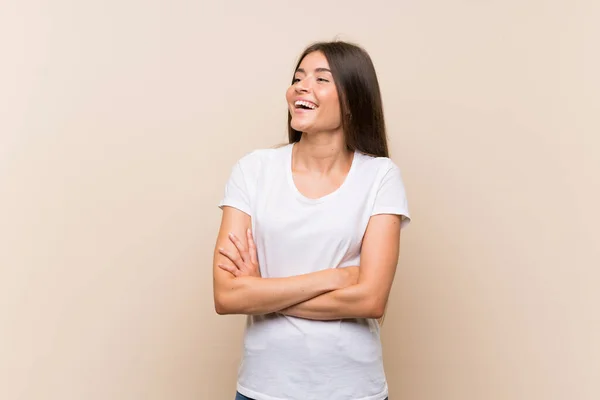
309,238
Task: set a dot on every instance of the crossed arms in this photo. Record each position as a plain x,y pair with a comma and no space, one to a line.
334,293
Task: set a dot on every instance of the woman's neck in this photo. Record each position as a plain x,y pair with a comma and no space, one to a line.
321,154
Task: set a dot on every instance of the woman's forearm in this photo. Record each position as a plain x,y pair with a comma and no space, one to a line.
253,295
352,302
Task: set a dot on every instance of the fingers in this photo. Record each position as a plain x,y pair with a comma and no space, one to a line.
243,258
229,268
240,247
252,247
235,258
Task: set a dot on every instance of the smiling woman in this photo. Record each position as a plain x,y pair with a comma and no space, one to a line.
313,97
309,238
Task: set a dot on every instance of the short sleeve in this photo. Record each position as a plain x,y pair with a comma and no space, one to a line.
391,195
236,191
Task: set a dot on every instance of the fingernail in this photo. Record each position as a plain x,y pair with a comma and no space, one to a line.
231,235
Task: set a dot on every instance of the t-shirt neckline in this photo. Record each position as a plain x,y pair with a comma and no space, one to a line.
299,195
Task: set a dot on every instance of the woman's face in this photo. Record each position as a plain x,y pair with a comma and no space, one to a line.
312,98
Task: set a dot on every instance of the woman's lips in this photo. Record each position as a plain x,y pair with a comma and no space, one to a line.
302,110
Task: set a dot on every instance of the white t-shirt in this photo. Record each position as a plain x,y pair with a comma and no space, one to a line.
289,358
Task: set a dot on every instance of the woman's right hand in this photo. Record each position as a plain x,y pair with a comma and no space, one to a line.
244,258
245,262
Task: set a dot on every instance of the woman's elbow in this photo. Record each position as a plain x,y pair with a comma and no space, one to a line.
363,300
376,312
226,296
221,306
224,305
228,304
376,308
379,314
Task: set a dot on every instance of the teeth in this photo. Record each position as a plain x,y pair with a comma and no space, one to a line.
305,104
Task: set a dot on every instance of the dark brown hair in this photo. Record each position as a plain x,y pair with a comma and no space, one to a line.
360,98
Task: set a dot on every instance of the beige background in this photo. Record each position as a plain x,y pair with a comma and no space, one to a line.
120,121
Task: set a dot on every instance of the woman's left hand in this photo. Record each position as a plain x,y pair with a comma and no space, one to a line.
244,258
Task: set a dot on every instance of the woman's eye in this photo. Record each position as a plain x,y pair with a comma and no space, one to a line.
322,80
295,80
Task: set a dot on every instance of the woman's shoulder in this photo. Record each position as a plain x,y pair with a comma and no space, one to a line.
376,163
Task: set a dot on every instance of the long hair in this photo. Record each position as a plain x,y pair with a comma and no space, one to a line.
360,98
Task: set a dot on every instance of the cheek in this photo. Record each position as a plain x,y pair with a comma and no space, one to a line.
331,101
289,94
333,110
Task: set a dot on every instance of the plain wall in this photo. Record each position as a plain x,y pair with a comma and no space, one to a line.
120,122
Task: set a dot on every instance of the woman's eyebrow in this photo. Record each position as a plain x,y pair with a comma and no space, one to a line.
301,70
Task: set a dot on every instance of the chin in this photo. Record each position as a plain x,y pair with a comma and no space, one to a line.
300,127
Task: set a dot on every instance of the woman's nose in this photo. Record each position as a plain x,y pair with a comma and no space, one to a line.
302,86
